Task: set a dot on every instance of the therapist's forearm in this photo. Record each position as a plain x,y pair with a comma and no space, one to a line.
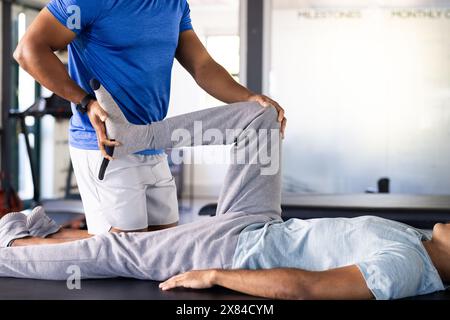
215,80
44,66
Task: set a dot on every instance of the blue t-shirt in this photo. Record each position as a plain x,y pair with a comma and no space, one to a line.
390,255
129,46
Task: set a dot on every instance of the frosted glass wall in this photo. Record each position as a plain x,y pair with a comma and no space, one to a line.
366,86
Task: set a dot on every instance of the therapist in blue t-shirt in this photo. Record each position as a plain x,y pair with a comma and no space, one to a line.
130,47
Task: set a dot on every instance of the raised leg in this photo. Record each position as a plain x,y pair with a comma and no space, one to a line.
253,183
249,189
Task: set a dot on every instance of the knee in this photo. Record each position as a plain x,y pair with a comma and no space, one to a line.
265,117
270,118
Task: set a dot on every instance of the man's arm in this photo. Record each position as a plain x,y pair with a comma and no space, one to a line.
287,284
35,54
213,78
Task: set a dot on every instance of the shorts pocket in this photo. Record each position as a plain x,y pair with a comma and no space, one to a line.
161,171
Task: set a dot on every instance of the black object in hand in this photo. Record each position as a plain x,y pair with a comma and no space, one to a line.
105,163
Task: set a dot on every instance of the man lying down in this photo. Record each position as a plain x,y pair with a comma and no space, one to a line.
247,247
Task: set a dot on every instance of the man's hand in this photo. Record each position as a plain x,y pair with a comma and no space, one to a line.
98,118
190,280
267,102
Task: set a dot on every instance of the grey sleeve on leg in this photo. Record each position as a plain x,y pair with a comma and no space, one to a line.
164,134
192,129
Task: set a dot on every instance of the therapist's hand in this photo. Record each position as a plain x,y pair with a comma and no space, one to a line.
98,117
190,280
267,102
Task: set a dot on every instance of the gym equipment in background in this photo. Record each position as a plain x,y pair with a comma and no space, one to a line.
9,200
70,206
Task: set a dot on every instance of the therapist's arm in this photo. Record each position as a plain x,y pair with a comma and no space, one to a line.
213,78
285,284
35,54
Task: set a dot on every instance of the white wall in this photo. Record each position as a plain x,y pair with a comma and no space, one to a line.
55,157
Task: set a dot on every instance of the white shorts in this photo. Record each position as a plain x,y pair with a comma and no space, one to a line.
137,191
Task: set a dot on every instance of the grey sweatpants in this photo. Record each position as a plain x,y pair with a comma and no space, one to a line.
248,197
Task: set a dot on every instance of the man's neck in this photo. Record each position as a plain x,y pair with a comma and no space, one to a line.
438,259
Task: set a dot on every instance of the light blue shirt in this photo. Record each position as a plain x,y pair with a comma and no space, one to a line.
389,254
